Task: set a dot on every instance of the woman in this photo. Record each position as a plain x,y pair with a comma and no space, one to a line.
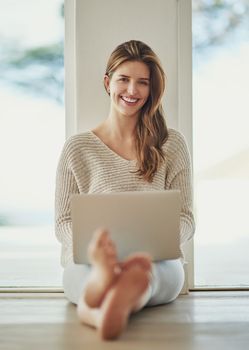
131,150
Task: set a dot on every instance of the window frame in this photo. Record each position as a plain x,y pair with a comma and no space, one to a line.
185,110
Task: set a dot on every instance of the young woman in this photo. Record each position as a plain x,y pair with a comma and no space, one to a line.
131,150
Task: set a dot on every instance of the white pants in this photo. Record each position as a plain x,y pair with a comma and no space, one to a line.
166,282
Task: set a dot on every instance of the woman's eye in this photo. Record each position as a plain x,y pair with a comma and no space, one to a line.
123,79
143,82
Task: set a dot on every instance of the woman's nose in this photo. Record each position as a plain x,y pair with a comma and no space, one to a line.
132,89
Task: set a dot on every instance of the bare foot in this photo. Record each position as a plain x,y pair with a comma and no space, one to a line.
123,297
105,267
121,300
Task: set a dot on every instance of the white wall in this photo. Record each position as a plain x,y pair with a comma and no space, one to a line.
95,27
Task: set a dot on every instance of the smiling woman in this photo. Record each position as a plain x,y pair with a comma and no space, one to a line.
98,161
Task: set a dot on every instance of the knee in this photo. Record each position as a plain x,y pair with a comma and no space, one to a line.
74,280
167,282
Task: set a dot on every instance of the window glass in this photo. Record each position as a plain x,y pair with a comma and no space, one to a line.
221,142
32,132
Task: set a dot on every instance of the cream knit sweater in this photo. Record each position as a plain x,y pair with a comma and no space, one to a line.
87,165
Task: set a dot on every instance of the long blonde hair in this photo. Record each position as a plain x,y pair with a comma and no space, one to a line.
151,129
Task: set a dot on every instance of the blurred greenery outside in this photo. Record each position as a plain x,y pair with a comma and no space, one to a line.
39,71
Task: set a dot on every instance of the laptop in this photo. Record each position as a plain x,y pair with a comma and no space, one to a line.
137,222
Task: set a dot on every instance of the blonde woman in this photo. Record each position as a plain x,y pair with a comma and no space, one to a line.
131,150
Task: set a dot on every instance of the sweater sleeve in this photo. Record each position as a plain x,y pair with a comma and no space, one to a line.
179,177
65,186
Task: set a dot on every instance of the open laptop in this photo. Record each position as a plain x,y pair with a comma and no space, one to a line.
137,222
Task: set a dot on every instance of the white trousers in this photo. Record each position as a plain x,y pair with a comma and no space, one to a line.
166,282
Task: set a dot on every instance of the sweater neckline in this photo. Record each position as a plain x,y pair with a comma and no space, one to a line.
116,155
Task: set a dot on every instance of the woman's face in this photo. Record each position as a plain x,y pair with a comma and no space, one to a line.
129,88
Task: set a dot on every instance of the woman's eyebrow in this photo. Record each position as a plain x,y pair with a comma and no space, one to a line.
127,76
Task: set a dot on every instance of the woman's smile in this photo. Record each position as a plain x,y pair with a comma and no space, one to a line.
129,100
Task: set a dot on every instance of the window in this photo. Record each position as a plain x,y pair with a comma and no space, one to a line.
221,143
31,137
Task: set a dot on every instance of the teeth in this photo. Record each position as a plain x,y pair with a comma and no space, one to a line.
127,99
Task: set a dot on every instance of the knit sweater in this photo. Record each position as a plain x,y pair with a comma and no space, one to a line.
87,165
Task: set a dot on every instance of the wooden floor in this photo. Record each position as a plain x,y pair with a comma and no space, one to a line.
198,321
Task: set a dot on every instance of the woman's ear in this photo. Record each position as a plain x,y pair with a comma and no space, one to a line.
107,83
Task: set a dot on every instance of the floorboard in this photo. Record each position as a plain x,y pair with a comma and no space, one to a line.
198,321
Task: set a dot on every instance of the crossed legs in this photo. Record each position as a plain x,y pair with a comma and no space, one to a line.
114,289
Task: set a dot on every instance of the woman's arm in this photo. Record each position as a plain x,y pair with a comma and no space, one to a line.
179,177
65,186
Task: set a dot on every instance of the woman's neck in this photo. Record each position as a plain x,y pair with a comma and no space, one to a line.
119,128
118,136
